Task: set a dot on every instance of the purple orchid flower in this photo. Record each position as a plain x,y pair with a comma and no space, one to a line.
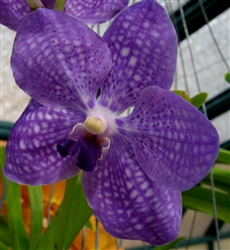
134,167
91,12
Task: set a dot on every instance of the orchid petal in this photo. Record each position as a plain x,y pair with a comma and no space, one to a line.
175,144
13,12
127,202
59,61
143,45
93,12
32,157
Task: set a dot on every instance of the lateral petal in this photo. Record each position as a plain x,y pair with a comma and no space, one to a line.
127,202
175,144
13,12
59,61
93,12
143,45
31,153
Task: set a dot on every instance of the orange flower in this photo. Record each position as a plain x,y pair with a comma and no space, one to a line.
106,241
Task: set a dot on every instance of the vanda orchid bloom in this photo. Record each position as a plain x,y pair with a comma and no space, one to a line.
87,11
134,167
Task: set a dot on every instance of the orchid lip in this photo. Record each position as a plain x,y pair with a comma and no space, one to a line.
85,146
87,152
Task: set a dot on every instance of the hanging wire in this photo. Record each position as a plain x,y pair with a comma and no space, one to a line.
174,22
3,193
191,230
212,34
189,44
169,6
215,210
49,203
118,243
97,234
83,238
98,29
205,112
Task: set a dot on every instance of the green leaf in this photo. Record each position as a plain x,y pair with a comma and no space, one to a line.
196,100
227,77
2,157
221,179
3,246
4,232
183,94
224,156
16,227
59,5
171,245
15,220
36,206
89,225
199,99
200,199
69,219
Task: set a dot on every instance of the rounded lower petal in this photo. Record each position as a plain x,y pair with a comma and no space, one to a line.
13,12
127,202
143,45
175,144
93,12
58,60
31,153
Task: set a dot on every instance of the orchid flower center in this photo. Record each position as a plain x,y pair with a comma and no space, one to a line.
88,141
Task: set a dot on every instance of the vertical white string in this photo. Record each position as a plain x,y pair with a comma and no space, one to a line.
97,234
49,203
215,210
98,29
118,243
189,44
212,34
205,112
83,238
191,229
168,3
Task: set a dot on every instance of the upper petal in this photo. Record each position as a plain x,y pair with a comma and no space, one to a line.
175,144
93,12
127,202
31,153
59,61
143,45
12,12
